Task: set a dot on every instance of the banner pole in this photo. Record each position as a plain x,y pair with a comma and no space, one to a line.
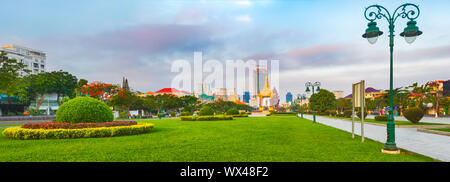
363,101
353,111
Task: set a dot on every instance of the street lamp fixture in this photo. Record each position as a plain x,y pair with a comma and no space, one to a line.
312,85
411,32
372,32
372,13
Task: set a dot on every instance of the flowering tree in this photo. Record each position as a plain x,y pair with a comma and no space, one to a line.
100,90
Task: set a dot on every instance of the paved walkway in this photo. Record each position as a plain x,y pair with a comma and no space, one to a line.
432,145
426,119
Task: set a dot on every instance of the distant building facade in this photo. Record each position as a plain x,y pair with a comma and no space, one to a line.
35,60
289,97
338,94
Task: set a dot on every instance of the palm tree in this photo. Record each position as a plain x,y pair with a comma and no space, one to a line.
419,93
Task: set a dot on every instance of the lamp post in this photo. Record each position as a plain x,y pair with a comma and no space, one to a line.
312,85
301,98
372,13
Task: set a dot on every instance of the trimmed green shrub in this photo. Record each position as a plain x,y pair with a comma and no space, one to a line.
30,134
186,113
123,115
205,118
84,110
240,115
233,111
206,111
348,113
332,113
381,118
340,115
413,114
359,114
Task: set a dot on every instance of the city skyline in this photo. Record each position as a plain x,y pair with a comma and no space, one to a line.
319,40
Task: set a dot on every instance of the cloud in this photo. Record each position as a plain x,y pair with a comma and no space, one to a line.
191,16
245,3
243,18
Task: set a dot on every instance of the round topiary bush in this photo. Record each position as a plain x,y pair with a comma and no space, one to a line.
348,113
359,114
413,114
206,111
381,118
84,110
233,111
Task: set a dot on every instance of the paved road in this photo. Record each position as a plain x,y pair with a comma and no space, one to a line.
432,145
426,119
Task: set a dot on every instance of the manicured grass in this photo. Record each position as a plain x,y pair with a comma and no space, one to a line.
5,125
254,139
384,122
440,129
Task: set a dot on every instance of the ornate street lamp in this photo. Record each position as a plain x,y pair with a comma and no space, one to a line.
317,85
373,12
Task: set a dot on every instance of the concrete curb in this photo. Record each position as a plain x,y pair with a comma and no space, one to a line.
433,131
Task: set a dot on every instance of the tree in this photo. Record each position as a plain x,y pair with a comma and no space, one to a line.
100,90
189,103
343,104
65,84
419,93
324,100
10,77
34,87
123,100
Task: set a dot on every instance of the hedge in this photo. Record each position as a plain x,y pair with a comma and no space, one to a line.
232,111
348,113
381,118
240,115
56,125
30,134
205,118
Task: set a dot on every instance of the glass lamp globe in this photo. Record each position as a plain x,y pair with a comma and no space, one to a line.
372,40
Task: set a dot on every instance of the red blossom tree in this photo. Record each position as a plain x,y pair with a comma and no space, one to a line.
101,91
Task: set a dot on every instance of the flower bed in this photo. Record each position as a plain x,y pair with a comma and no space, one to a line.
205,118
30,134
240,115
56,125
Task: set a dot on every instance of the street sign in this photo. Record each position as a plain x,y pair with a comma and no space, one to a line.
358,100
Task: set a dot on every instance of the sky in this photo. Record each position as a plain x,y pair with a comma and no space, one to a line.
314,40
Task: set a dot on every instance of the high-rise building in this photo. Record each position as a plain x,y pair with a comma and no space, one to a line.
246,97
289,97
35,60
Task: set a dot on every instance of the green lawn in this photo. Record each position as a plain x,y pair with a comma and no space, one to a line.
253,139
440,129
